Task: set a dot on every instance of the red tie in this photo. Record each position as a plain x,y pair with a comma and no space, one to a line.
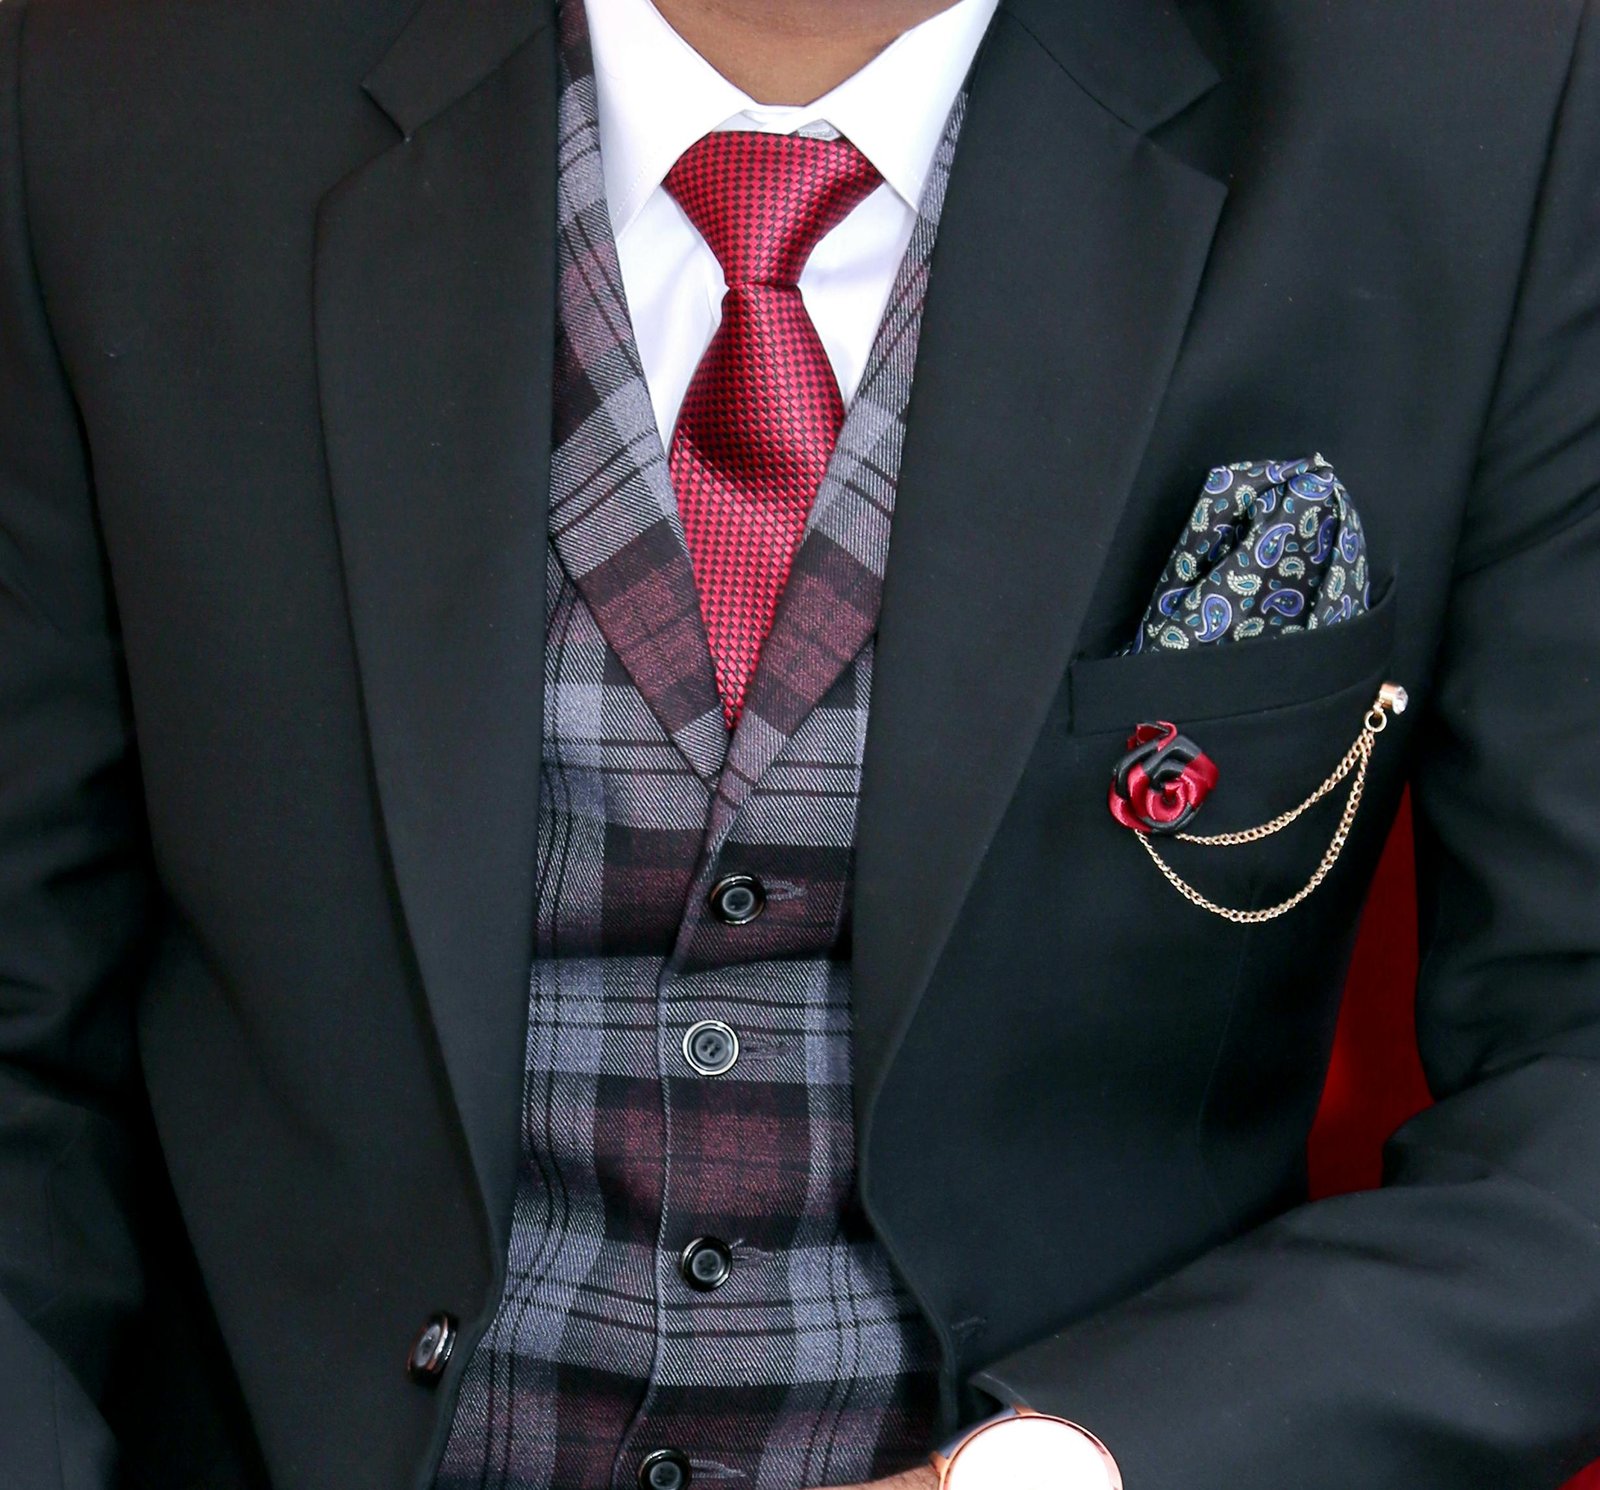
763,411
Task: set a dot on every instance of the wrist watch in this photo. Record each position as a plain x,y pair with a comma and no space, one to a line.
1020,1449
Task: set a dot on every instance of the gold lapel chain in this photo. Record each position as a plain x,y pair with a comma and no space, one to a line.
1391,699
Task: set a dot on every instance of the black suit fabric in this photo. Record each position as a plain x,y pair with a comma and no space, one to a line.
276,288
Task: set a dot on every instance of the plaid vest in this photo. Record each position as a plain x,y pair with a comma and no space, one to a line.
809,1366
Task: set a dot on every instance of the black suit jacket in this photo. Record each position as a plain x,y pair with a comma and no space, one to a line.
275,343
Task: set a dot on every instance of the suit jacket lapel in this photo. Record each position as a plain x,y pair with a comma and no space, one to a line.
1071,251
434,296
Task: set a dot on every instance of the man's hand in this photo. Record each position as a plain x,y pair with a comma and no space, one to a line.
921,1478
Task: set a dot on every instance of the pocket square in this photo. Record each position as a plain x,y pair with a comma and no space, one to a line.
1272,547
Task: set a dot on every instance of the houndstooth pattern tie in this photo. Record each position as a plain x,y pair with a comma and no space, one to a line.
763,410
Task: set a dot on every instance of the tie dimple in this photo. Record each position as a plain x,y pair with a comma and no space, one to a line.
763,411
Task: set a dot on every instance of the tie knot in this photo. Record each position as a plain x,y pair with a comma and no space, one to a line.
763,202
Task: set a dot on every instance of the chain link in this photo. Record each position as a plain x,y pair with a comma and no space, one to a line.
1356,759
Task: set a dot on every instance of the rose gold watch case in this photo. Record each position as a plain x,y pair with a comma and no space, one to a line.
1085,1462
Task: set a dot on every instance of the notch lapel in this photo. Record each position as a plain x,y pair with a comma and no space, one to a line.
1070,254
434,318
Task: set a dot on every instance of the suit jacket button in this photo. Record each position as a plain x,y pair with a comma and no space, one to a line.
738,899
666,1469
431,1350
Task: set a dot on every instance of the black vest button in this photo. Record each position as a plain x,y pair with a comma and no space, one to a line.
666,1469
711,1048
431,1350
737,900
706,1264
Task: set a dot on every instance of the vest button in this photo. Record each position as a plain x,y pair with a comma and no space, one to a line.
738,899
666,1469
431,1350
711,1048
706,1264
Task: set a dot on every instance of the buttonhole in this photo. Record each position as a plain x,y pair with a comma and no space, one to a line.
964,1330
781,890
759,1047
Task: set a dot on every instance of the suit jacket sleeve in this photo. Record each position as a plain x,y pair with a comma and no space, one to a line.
73,894
1444,1331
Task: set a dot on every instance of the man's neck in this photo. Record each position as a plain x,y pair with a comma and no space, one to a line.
792,51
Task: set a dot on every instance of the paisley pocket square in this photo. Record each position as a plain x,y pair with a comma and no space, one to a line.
1272,547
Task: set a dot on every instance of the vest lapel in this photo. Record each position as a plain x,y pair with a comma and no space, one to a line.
613,512
1071,252
829,607
433,302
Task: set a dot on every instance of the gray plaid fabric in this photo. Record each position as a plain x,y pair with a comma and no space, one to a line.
810,1366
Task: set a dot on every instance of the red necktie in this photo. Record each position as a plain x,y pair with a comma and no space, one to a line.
763,410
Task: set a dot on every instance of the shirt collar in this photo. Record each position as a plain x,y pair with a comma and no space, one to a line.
656,96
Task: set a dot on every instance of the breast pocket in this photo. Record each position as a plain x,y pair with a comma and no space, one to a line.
1276,715
1228,678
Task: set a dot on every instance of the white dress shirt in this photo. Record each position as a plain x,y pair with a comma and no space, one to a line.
657,96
